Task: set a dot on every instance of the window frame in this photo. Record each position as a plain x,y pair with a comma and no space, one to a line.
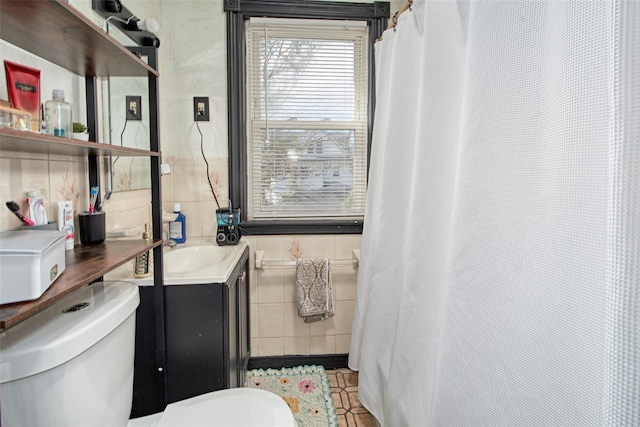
376,15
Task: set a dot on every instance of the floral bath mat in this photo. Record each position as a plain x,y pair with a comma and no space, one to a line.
305,389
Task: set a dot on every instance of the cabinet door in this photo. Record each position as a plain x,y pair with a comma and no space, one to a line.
148,388
195,340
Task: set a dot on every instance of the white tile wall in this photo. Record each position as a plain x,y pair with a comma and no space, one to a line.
270,320
271,286
297,345
294,326
187,184
270,347
323,344
273,293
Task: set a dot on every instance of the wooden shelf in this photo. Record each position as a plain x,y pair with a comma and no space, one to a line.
59,33
83,265
31,142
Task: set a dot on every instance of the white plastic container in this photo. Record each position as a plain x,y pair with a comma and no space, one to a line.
30,261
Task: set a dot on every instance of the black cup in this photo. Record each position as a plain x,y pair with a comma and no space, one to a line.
92,228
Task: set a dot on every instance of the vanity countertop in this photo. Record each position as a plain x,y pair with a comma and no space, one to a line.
216,273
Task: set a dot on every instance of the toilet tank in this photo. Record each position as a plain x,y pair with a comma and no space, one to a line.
72,363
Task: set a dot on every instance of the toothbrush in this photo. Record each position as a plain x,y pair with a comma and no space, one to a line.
106,198
94,197
13,207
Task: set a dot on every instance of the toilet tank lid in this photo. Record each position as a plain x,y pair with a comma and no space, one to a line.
63,331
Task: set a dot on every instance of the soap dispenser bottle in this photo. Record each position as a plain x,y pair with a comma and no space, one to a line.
178,228
143,266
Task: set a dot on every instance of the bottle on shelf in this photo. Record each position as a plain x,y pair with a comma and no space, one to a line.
58,115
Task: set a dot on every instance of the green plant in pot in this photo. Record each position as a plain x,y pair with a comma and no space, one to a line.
80,131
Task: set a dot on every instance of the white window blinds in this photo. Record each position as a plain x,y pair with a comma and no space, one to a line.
306,118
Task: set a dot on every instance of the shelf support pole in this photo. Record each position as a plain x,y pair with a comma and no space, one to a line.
156,211
91,89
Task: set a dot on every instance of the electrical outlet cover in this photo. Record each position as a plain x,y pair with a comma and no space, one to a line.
201,108
133,107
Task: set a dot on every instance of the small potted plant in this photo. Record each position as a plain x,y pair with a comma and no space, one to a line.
80,131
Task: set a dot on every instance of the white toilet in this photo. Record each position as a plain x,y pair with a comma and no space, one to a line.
72,365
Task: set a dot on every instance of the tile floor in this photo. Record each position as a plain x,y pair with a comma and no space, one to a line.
344,390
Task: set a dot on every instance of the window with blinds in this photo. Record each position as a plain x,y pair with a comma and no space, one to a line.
307,118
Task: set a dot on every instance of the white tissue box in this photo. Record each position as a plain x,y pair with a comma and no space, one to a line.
30,261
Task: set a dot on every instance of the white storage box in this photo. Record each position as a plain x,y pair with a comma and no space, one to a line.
30,261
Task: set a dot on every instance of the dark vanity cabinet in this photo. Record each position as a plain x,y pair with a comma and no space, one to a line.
207,338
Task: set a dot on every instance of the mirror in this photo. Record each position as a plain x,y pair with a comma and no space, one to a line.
125,105
129,127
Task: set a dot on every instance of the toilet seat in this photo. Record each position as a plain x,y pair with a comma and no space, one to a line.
236,407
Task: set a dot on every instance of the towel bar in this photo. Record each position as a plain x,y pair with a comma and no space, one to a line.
262,263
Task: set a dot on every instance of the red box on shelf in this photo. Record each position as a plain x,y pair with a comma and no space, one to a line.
23,85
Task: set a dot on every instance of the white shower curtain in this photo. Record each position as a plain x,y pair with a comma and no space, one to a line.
499,277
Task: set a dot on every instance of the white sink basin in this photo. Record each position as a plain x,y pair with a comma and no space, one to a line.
186,259
195,262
